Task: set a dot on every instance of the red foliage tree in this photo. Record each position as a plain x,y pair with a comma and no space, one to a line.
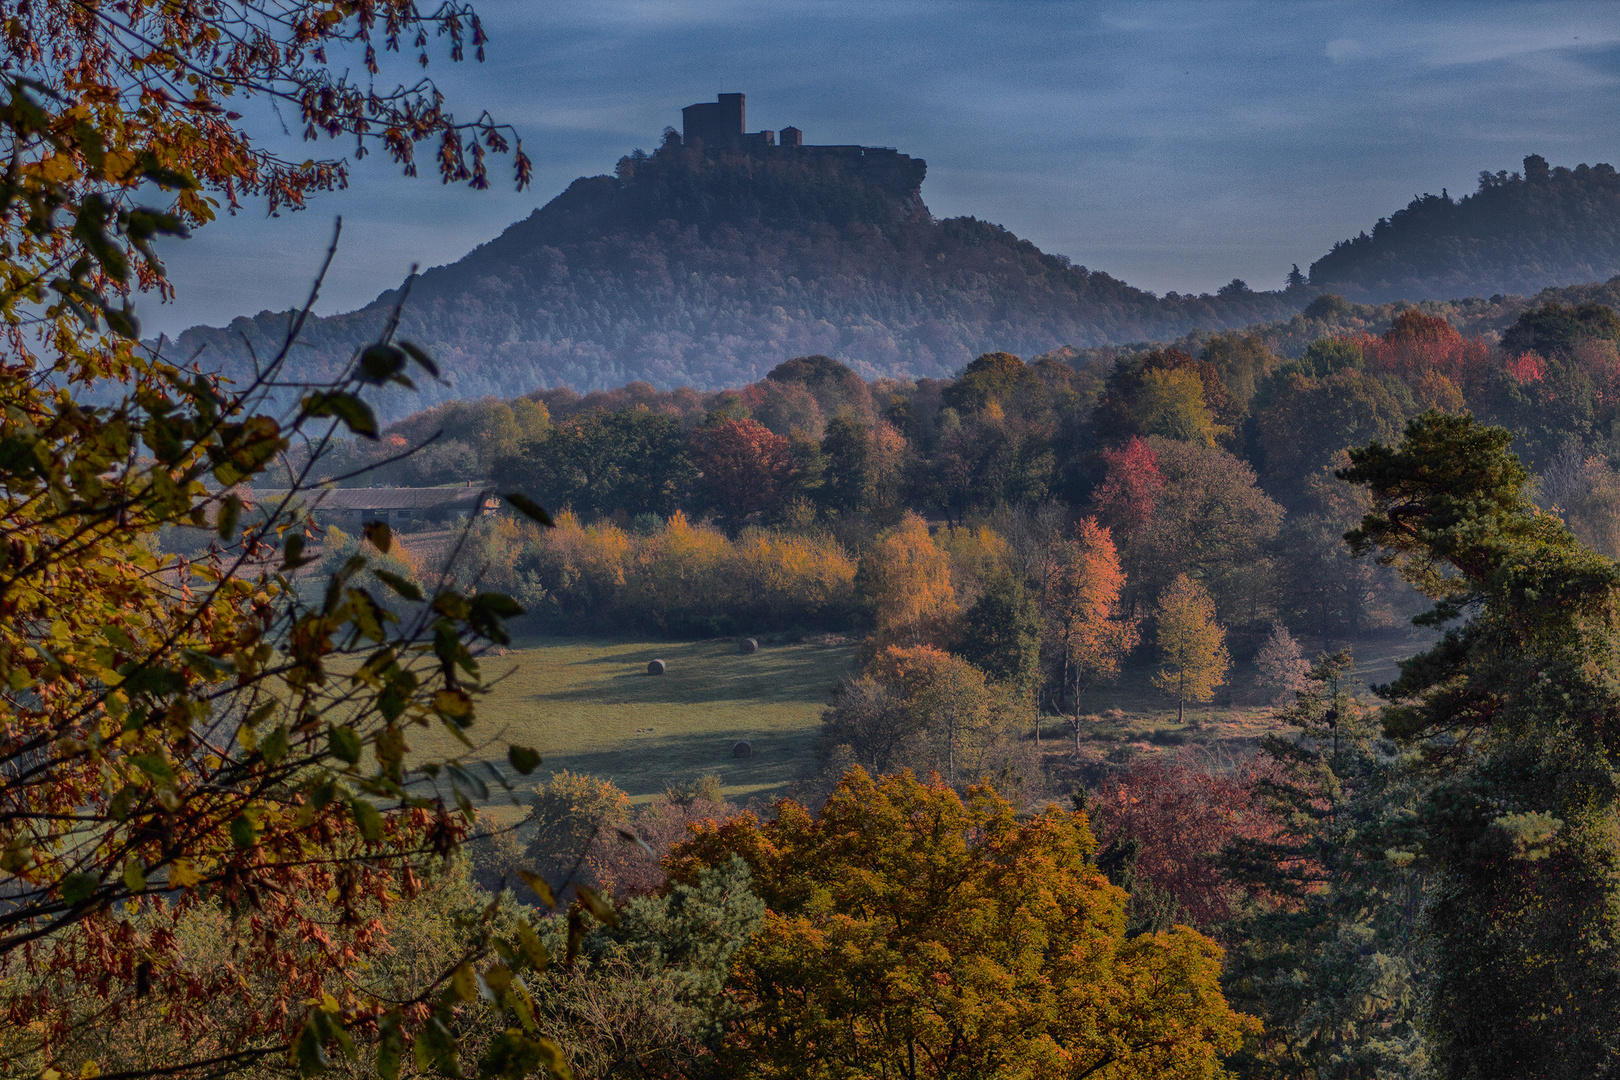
1130,488
1183,817
745,468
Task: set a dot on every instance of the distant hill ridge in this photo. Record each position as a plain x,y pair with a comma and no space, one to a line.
1519,233
711,260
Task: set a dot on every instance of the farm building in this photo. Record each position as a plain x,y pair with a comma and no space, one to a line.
401,508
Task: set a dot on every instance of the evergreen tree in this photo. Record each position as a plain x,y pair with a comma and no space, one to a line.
1328,954
1516,715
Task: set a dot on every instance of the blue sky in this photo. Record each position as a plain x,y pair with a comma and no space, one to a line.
1174,145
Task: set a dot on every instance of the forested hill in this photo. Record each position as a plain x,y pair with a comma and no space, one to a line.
707,272
1516,234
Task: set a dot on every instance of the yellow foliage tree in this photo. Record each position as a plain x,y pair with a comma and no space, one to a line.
912,933
1171,404
1192,645
906,578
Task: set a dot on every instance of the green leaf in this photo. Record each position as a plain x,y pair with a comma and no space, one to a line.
529,941
134,875
154,766
309,1051
275,745
523,758
154,680
464,981
292,551
453,705
243,834
369,821
379,363
229,512
530,509
78,887
344,743
400,585
498,604
436,1048
354,413
462,780
390,1046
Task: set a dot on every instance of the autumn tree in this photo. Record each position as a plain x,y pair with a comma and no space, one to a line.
633,460
1087,636
1192,645
871,718
1282,665
1183,818
956,714
745,468
1210,520
1130,487
906,579
193,735
863,465
910,932
1166,392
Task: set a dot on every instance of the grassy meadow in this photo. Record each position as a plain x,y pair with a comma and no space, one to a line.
588,705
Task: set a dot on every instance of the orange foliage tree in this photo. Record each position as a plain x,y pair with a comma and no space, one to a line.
1087,638
946,699
912,933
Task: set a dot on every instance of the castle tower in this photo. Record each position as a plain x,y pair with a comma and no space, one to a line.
717,124
790,136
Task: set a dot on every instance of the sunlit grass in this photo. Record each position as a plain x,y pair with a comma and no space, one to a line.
588,705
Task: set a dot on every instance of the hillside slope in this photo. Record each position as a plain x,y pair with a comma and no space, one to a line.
1516,234
685,269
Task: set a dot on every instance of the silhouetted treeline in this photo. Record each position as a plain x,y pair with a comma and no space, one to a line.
1518,233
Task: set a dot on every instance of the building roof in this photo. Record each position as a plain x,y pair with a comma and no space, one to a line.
377,498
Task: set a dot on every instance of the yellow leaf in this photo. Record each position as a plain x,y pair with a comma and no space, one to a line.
182,875
58,168
452,703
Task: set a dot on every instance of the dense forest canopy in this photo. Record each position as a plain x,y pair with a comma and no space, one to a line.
1519,233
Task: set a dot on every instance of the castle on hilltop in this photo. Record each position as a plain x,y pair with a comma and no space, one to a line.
713,127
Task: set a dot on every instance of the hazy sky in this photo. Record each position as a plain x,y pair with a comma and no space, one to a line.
1174,145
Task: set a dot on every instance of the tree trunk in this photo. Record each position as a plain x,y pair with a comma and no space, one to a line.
1181,710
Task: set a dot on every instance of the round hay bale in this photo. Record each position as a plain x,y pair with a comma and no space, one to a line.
748,647
656,667
742,748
